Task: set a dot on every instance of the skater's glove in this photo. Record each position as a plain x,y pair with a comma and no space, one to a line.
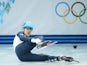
36,40
44,43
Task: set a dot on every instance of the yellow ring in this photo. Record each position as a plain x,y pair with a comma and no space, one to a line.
72,22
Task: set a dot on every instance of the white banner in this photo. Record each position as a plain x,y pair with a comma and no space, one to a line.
48,16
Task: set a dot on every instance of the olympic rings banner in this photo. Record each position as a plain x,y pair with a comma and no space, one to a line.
50,17
72,10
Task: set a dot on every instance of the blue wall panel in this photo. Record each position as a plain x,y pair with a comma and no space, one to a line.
8,39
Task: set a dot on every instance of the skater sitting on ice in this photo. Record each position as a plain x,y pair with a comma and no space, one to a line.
23,45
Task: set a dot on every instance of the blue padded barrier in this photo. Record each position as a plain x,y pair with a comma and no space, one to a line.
8,39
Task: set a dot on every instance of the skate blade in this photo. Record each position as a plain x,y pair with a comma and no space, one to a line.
76,61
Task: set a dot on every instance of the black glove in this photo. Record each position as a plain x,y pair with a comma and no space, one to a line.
45,43
68,59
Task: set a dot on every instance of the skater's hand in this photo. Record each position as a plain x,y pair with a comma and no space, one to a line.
37,40
68,59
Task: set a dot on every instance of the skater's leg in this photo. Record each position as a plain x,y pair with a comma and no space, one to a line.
37,57
24,48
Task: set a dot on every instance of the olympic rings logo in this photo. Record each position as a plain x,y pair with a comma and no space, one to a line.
66,12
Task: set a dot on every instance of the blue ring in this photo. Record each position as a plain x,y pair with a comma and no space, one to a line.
66,5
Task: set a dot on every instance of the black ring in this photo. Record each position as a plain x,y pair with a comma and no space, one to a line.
78,13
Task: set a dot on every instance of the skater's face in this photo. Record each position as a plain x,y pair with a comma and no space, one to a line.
27,31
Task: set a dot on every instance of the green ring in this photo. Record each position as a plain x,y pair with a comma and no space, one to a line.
80,17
